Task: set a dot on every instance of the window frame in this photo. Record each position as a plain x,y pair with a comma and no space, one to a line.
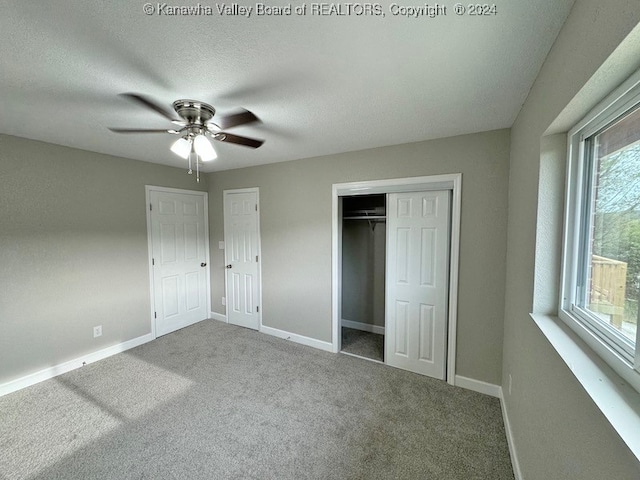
612,347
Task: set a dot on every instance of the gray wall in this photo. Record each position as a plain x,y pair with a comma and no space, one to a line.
363,271
295,220
559,433
73,251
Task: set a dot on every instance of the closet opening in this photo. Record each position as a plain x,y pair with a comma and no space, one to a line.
362,325
394,263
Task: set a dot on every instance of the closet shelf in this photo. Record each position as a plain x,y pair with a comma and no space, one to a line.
366,217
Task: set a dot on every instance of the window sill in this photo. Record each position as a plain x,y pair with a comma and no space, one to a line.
616,399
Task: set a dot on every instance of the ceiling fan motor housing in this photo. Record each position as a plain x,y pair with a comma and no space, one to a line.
193,111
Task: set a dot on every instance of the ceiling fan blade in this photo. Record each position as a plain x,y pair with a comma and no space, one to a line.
140,130
147,102
235,119
237,139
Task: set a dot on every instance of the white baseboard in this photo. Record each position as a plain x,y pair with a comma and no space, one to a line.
365,327
65,367
219,316
310,342
478,386
517,473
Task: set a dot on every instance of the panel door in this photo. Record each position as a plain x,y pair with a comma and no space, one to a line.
417,281
179,260
241,239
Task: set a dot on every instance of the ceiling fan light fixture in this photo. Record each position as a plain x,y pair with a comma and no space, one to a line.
203,148
181,147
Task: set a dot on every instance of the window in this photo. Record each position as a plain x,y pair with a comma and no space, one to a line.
601,269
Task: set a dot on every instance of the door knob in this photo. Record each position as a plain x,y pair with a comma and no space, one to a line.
229,266
203,264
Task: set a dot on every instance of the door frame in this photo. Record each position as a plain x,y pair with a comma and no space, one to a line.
452,182
255,190
147,194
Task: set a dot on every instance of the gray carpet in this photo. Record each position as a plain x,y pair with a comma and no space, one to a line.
364,344
214,401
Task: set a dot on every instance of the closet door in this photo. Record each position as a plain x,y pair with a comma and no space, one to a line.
417,275
242,245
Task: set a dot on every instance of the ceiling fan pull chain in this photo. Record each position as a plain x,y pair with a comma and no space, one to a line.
192,154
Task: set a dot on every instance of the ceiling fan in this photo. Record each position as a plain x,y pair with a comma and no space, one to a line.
195,124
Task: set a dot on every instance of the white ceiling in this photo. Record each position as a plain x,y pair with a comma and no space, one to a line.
320,84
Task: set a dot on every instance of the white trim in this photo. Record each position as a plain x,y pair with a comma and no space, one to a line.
243,190
398,185
336,270
65,367
454,257
364,327
617,399
478,386
517,472
310,342
411,184
148,189
219,317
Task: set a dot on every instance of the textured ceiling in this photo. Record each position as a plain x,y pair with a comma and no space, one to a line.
321,84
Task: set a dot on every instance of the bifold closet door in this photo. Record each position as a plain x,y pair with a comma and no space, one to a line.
417,274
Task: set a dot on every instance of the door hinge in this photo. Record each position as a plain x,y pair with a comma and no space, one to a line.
256,258
256,207
155,315
257,309
150,207
153,261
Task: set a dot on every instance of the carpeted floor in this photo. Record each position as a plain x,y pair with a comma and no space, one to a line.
214,401
364,344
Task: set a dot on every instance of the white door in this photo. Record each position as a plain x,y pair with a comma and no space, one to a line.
178,235
241,240
417,274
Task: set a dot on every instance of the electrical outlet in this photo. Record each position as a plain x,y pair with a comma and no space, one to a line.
221,245
97,331
224,301
509,384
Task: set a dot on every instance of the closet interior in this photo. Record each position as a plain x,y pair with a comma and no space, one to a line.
363,275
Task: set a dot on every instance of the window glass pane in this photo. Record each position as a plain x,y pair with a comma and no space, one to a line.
614,272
